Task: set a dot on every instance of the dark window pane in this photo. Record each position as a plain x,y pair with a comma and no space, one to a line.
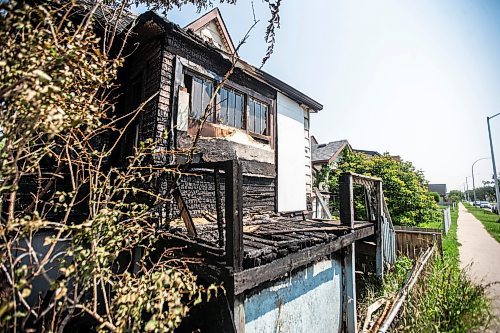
264,116
238,112
251,113
230,109
207,94
258,120
223,106
196,98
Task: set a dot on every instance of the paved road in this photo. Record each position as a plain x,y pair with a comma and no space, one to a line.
483,251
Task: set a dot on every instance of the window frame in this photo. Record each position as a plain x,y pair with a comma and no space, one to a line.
267,120
247,94
244,104
200,76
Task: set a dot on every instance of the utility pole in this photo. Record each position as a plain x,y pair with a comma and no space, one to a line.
473,184
467,193
495,177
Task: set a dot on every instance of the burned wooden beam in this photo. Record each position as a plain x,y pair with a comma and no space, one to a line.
186,216
253,277
234,215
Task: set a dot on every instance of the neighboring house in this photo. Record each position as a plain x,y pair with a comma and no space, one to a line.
439,189
324,155
369,153
327,153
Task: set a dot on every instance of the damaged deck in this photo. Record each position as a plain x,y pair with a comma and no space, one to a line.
263,243
274,247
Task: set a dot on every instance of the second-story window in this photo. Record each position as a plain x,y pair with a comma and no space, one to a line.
231,107
231,110
258,115
201,92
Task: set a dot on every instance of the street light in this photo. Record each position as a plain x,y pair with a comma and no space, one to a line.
467,183
495,177
473,184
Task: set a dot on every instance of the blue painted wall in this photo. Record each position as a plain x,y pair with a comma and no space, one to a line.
310,300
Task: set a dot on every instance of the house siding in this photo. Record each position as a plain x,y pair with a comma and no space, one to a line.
310,300
307,150
259,191
291,175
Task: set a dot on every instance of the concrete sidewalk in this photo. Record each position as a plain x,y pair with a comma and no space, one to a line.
483,252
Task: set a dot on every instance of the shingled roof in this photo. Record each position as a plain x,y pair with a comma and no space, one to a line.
327,152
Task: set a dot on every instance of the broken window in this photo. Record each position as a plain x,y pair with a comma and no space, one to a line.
200,90
258,115
231,108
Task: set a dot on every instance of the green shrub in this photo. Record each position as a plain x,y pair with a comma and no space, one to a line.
435,196
405,187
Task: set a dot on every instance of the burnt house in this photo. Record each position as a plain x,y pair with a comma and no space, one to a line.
242,205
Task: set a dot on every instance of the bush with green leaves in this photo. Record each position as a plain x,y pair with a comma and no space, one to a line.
405,187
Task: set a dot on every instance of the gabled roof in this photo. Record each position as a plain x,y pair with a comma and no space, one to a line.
327,153
256,73
204,26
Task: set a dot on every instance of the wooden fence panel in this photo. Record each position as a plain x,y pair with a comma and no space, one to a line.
412,241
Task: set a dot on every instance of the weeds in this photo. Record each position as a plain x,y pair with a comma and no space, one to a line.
445,300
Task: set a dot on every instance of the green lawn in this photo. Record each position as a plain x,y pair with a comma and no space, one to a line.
491,221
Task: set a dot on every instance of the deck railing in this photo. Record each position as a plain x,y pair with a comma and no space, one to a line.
376,212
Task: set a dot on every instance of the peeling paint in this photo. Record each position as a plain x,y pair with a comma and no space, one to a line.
310,300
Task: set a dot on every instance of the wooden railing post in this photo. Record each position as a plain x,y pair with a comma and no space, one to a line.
346,200
347,218
234,240
234,215
379,257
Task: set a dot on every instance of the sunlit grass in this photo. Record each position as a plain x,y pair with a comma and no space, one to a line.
491,221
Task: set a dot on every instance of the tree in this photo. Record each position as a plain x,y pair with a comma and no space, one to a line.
56,99
405,187
456,196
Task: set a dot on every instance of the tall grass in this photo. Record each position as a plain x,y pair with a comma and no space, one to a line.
445,300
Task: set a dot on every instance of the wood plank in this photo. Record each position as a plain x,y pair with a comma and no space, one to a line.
322,203
234,215
346,200
350,288
185,214
253,277
288,231
379,258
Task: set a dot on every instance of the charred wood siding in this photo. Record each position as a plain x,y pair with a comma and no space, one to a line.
198,192
145,64
166,100
258,194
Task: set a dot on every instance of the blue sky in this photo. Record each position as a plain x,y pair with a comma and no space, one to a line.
414,78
